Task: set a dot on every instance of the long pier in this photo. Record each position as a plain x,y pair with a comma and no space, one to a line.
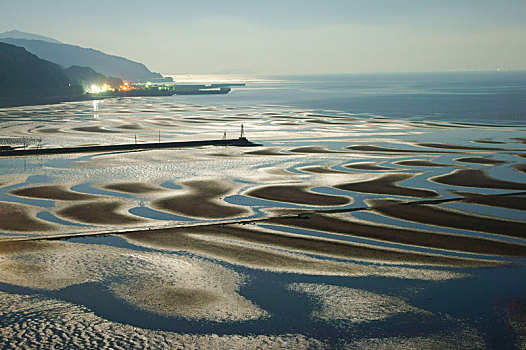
239,142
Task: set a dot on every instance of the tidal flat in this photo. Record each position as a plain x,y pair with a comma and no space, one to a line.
342,230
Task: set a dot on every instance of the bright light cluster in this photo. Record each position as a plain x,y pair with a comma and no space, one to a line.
125,86
95,89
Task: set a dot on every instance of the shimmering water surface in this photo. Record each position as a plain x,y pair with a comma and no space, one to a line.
379,211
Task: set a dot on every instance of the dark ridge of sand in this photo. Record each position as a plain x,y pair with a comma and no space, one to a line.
427,239
296,194
422,162
183,239
273,151
54,192
221,154
325,122
480,160
379,149
443,217
96,129
17,218
491,142
102,213
50,131
457,147
508,201
375,166
322,170
311,149
133,187
387,185
203,201
476,178
519,167
522,155
237,254
129,127
520,139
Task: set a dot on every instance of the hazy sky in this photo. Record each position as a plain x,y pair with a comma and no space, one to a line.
286,36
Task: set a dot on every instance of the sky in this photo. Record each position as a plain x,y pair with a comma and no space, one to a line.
273,37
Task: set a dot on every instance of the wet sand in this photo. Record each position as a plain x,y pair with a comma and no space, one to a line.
375,166
102,213
476,178
194,239
444,217
269,151
296,194
133,187
422,163
519,167
508,201
311,149
322,170
457,147
165,284
333,223
202,200
77,327
348,305
386,184
96,129
55,192
480,160
20,218
380,149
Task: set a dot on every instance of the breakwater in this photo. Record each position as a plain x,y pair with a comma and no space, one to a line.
239,142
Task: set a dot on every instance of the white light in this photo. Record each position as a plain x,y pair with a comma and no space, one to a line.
94,89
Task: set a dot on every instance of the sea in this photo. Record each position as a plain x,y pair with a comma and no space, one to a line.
318,134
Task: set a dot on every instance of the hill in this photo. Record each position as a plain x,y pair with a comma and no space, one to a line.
15,34
67,55
26,79
85,76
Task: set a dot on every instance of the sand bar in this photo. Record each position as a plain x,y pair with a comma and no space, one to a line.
386,184
422,162
297,194
55,192
333,223
375,166
102,213
508,201
188,239
435,215
202,200
133,187
480,160
476,178
19,218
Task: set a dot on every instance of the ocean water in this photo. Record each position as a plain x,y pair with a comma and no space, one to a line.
316,132
489,97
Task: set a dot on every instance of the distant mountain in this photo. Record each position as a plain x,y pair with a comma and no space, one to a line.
70,55
15,34
26,79
86,77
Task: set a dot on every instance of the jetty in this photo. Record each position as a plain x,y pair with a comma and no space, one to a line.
16,152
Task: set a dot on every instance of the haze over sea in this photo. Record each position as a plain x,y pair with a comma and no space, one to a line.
380,211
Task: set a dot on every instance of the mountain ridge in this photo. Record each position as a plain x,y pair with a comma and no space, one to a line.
67,55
